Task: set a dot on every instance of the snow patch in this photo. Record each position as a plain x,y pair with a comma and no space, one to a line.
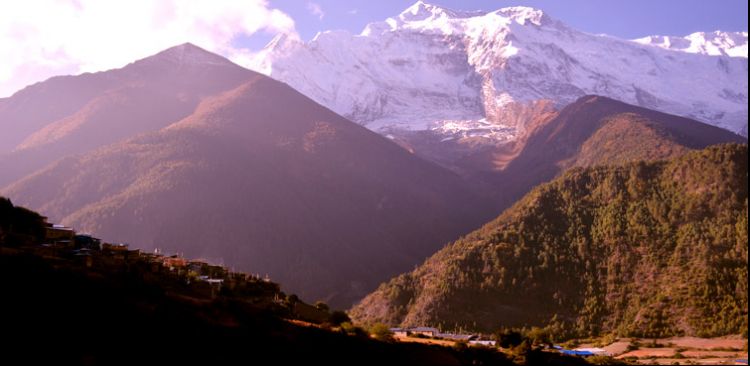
447,71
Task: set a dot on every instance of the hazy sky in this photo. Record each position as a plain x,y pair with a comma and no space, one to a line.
43,38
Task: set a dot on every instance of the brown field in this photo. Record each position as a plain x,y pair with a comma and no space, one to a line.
669,351
441,342
697,351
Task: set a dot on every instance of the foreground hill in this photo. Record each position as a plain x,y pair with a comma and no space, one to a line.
263,179
642,249
96,306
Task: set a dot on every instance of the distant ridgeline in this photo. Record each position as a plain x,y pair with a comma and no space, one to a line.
642,249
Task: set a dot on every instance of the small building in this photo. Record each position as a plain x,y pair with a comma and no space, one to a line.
582,352
399,332
84,256
115,247
152,257
64,244
87,241
215,271
483,342
572,352
594,351
197,266
120,251
425,331
174,262
457,337
55,233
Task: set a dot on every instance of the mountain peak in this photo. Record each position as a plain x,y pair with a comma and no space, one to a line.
426,11
190,54
717,43
523,14
423,11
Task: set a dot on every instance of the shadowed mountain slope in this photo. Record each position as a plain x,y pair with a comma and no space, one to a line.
263,179
68,115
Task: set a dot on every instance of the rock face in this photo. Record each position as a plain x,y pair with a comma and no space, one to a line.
472,74
264,180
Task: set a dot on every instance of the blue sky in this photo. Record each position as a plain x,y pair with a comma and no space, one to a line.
623,18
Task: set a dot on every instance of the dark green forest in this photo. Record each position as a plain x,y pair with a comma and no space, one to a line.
648,249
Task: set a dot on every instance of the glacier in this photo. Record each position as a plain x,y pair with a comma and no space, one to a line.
476,73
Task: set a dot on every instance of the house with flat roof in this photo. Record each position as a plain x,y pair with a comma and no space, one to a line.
425,331
54,233
399,332
457,337
483,342
87,241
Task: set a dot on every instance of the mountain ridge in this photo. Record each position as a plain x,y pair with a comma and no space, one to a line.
72,115
471,69
233,180
716,43
594,130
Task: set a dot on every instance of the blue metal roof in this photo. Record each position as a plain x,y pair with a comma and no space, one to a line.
571,352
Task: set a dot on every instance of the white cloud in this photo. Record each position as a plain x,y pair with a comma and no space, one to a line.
43,38
315,9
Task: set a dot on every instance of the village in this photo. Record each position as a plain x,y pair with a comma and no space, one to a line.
446,338
729,350
195,278
403,334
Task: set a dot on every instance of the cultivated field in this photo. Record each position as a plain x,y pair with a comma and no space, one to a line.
681,350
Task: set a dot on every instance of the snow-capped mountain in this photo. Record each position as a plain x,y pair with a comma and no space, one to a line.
476,73
718,43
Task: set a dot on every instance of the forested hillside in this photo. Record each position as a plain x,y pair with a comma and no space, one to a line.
643,249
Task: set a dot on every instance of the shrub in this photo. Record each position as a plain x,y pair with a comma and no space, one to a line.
381,332
338,317
508,338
